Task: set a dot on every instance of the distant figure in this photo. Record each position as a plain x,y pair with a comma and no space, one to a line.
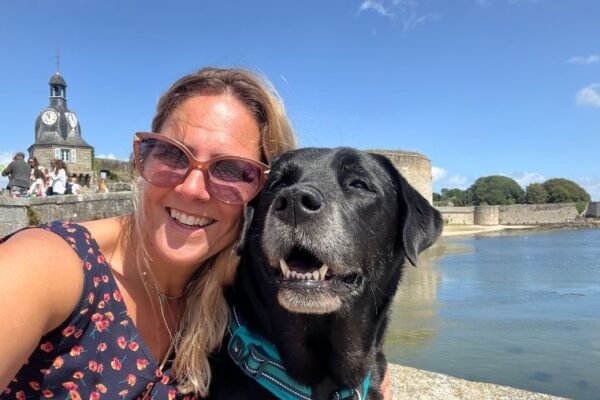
19,173
38,186
102,188
58,177
74,187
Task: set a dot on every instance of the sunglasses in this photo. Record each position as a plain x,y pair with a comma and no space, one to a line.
166,162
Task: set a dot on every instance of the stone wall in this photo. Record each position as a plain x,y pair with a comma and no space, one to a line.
19,213
519,214
458,215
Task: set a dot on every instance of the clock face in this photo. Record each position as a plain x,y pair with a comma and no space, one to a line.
72,119
49,117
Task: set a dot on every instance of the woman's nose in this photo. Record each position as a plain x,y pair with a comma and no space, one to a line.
195,185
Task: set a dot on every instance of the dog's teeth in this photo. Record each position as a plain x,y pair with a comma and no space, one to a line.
315,275
323,271
284,268
293,274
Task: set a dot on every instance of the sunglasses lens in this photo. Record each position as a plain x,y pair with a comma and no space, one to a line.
234,181
162,163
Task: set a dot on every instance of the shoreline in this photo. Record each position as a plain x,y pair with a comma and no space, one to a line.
459,230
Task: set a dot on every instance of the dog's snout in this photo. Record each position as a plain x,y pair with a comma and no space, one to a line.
294,205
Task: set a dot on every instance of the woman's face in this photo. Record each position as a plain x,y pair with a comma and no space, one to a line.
185,224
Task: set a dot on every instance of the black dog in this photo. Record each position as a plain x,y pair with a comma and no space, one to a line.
321,263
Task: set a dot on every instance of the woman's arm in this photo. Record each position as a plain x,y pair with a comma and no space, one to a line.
41,281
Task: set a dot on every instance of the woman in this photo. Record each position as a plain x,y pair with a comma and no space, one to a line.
172,256
38,186
58,176
147,306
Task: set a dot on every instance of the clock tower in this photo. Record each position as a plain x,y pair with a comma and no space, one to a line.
58,135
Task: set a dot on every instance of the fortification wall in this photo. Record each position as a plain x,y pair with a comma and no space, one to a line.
457,215
19,213
519,214
415,167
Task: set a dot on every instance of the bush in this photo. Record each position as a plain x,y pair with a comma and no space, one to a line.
496,190
565,191
536,194
581,206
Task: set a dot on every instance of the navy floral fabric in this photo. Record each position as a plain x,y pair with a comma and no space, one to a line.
97,353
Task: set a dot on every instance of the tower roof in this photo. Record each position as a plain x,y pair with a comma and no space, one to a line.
57,79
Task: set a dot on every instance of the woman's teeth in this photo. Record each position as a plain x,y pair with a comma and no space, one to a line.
190,219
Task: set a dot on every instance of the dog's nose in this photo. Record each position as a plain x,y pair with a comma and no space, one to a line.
294,205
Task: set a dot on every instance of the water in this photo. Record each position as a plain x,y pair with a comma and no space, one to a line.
520,310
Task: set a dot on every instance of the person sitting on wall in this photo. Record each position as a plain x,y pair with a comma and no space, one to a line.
38,187
19,173
73,187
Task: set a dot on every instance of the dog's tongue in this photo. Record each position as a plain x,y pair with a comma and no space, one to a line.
302,261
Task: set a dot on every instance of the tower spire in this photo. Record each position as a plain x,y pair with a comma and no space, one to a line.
57,56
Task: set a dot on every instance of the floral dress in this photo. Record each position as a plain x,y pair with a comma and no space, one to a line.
97,352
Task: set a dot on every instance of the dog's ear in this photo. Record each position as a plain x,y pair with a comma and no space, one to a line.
420,224
246,221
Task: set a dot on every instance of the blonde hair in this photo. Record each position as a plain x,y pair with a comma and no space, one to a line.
206,316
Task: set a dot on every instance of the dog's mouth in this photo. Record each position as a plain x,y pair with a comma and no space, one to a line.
309,285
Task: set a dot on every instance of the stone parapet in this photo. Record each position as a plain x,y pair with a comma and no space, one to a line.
19,213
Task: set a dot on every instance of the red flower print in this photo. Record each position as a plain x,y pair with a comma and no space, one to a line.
105,278
88,265
106,297
115,364
109,316
96,317
76,351
165,379
100,259
47,347
158,372
102,325
121,342
47,393
20,395
91,297
68,331
92,365
45,371
141,363
94,396
101,305
117,296
123,393
133,346
70,385
102,346
74,395
90,251
96,281
172,393
78,334
84,311
101,388
34,385
58,362
100,368
131,379
78,375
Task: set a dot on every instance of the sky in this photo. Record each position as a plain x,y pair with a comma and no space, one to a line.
480,87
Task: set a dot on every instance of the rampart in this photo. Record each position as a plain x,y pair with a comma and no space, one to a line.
19,213
518,214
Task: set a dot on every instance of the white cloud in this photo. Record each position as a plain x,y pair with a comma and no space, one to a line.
526,178
109,156
591,184
589,96
591,59
438,174
404,11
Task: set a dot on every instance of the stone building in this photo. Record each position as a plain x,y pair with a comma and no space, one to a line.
415,167
58,135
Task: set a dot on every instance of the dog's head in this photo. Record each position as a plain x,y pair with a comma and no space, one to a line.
332,224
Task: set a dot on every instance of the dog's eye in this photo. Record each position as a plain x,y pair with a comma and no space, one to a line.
358,184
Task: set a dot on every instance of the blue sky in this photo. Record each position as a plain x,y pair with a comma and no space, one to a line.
480,87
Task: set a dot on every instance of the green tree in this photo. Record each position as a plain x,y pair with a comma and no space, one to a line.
496,190
458,197
436,196
536,194
565,191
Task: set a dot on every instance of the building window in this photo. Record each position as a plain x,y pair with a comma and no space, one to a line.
67,155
